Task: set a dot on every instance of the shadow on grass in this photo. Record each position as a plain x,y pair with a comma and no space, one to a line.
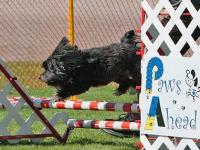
86,141
28,143
82,141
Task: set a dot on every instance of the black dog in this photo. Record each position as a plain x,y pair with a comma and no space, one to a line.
73,71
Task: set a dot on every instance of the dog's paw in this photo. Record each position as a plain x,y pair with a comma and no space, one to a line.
57,98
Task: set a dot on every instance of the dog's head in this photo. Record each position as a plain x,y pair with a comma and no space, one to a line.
130,38
56,69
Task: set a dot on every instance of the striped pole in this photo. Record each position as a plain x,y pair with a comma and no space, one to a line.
82,105
96,124
87,105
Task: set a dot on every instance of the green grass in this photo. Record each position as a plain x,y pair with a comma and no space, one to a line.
80,139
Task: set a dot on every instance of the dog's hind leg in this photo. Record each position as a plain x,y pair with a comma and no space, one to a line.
124,85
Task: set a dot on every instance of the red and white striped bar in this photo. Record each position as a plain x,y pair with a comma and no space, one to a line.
81,105
87,105
96,124
11,101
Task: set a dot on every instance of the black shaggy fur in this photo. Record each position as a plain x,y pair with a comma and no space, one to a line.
73,71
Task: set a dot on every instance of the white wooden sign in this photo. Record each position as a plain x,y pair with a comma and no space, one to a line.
170,96
169,100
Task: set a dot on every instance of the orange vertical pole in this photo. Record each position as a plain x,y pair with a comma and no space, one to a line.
71,29
71,21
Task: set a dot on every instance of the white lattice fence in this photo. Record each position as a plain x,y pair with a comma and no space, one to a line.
170,97
164,31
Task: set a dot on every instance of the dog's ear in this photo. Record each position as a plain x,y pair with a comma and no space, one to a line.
75,48
62,43
64,46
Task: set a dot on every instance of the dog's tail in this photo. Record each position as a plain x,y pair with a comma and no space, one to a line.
130,38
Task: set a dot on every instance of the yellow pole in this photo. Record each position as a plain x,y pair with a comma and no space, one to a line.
71,29
71,21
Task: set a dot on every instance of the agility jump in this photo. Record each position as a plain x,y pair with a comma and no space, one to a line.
37,104
179,115
13,107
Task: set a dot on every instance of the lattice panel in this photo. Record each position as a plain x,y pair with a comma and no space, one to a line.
171,31
13,123
164,143
163,31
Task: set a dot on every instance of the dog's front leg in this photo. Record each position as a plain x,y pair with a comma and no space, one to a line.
60,95
57,98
